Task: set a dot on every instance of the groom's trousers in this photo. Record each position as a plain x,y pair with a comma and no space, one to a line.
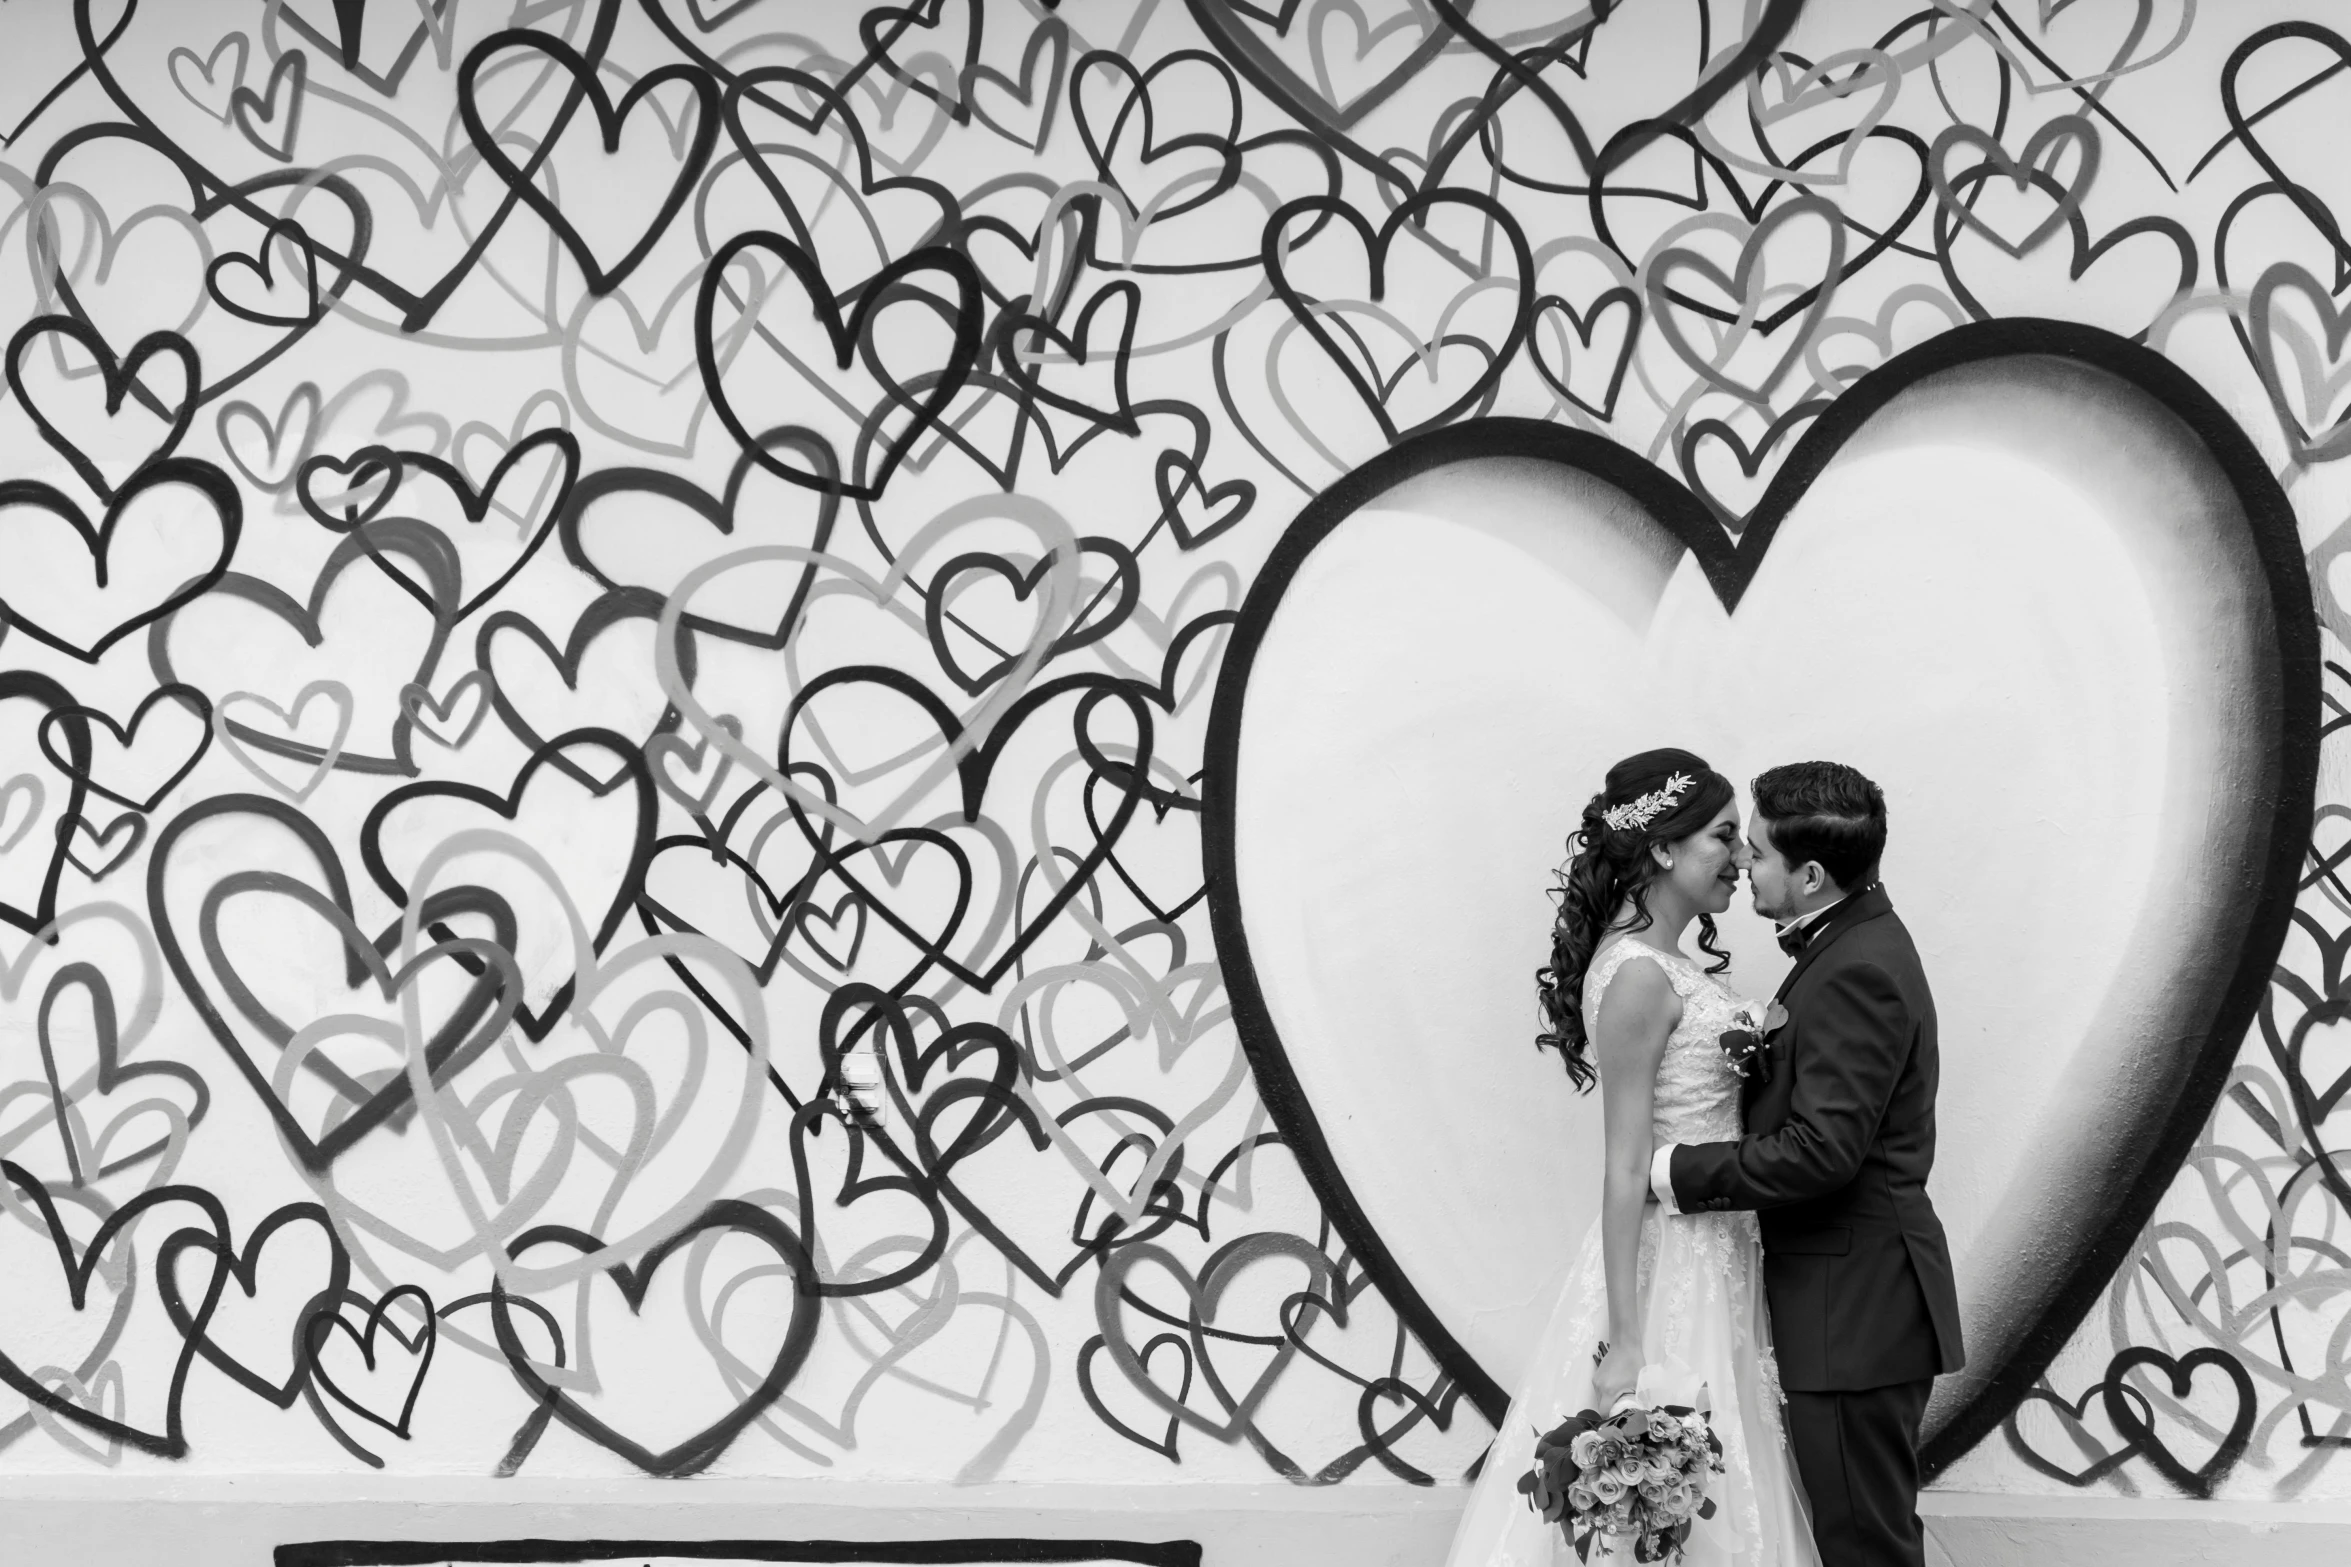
1858,1455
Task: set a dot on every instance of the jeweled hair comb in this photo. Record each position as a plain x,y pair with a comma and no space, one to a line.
1640,813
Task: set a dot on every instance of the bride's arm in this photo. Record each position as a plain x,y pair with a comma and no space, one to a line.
1636,1016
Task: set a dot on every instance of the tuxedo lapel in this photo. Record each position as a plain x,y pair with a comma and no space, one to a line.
1859,909
1862,907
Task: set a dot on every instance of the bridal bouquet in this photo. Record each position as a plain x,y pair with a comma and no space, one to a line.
1638,1475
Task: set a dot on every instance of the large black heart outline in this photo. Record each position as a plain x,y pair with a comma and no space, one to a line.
1729,568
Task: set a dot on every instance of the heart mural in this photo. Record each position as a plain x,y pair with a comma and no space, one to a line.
2029,576
864,424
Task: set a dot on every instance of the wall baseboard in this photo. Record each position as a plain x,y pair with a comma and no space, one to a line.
1973,1529
229,1522
238,1522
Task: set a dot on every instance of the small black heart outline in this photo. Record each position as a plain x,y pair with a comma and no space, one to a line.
848,335
244,1268
973,773
172,1440
610,119
809,1121
2098,1468
697,1452
1376,244
130,827
607,610
719,512
633,773
186,695
119,376
326,1316
2132,1421
210,482
1088,626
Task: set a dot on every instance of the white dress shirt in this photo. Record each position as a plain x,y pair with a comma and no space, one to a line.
1661,1162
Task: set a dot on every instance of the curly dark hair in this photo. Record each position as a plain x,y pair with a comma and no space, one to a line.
1609,866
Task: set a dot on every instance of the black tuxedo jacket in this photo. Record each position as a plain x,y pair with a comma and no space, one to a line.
1839,1142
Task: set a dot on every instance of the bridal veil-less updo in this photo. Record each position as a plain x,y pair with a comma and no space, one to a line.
1610,864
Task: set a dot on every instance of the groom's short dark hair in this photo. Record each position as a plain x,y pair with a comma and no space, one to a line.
1825,812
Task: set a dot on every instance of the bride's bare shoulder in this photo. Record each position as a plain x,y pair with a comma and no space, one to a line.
1635,996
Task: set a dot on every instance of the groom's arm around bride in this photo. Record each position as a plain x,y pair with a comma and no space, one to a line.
1840,1119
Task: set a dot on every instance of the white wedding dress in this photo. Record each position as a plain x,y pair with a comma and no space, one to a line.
1702,1308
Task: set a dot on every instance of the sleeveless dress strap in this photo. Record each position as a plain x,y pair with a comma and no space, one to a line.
1623,950
1604,969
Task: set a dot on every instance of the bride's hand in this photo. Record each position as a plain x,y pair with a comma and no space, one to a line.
1618,1372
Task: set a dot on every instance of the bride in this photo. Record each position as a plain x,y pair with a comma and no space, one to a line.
1659,847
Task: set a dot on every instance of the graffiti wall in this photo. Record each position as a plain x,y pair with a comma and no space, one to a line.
773,738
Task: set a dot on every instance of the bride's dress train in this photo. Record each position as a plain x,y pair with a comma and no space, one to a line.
1702,1305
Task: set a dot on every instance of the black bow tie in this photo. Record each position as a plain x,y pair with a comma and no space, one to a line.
1793,937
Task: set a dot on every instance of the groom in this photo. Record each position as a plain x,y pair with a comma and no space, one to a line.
1840,1115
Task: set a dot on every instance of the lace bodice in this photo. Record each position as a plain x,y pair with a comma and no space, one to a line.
1699,1279
1697,1096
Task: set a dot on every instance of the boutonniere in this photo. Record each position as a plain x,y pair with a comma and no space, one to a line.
1743,1046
